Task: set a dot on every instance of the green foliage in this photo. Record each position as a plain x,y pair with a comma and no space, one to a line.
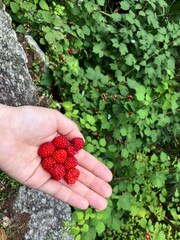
115,67
7,186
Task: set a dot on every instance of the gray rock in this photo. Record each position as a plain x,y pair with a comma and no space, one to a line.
33,44
16,88
47,215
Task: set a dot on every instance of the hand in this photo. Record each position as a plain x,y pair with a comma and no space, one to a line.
23,130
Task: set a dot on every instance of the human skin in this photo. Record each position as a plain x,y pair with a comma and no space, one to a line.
22,130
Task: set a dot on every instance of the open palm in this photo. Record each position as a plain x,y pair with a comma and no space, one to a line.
23,130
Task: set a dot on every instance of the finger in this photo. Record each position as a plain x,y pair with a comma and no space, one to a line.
89,162
67,127
41,180
95,200
77,195
65,194
94,183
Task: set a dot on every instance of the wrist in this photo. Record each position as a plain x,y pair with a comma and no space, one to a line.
4,131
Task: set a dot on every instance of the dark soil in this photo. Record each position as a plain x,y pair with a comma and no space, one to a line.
36,69
17,224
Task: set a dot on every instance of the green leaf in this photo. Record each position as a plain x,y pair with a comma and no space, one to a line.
147,131
162,198
138,6
177,193
85,228
42,41
86,30
90,148
138,211
81,222
102,142
99,48
78,237
101,2
58,35
142,212
89,6
136,188
46,80
105,125
123,131
92,128
87,125
130,18
143,223
159,179
50,37
80,215
90,119
163,120
124,201
116,223
123,186
175,215
90,235
119,76
80,33
123,48
125,5
56,20
47,17
112,148
91,74
124,153
74,231
142,13
130,59
21,29
14,6
100,227
133,84
115,42
152,19
174,104
116,134
43,5
110,164
140,93
143,113
163,156
116,17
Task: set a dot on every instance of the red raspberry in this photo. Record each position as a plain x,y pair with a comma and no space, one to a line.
47,163
57,172
71,151
46,149
78,143
60,155
71,50
71,162
69,37
61,142
130,113
71,175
